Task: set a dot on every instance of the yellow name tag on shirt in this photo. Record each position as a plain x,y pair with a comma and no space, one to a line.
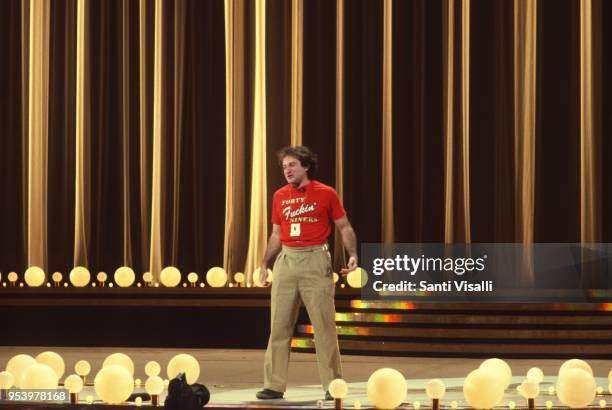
295,230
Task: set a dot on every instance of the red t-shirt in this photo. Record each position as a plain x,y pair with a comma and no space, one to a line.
305,215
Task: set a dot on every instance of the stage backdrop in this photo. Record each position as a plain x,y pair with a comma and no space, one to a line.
144,132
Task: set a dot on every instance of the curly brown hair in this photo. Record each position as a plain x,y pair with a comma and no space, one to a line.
306,157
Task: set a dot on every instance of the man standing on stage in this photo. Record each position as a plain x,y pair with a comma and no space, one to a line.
302,212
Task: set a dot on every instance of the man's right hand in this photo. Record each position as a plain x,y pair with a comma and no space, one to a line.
263,275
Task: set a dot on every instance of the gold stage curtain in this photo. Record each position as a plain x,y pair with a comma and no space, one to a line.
145,133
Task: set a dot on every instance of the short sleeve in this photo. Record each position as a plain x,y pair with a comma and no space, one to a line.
336,208
276,220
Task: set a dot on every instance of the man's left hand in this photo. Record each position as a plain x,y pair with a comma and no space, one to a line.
351,265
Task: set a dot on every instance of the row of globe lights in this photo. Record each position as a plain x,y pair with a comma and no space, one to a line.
113,383
169,277
386,388
484,387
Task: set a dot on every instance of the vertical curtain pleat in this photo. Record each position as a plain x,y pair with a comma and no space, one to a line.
258,209
157,194
524,111
144,197
235,210
297,45
38,132
339,255
590,137
81,183
125,133
25,108
448,119
387,228
179,79
465,122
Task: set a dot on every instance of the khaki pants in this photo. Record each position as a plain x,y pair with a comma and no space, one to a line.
306,274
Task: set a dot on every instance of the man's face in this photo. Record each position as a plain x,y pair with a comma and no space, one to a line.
293,170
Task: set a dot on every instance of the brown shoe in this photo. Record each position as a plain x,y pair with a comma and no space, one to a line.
267,394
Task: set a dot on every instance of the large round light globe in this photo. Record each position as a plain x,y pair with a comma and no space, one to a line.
184,363
39,376
124,276
357,278
82,368
576,388
17,365
152,368
80,276
54,361
500,368
338,389
120,359
170,276
34,276
575,364
216,277
74,383
482,389
530,389
7,380
435,389
535,374
387,388
154,385
257,280
114,384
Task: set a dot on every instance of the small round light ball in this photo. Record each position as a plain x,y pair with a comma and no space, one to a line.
551,390
114,384
535,374
338,389
482,389
12,277
34,276
82,368
79,276
17,366
511,404
573,364
147,277
602,404
336,277
435,389
170,277
138,401
54,361
530,389
74,383
7,380
216,277
154,385
184,363
152,368
600,390
192,277
39,376
576,387
120,359
239,277
387,388
500,369
549,404
454,404
57,277
357,404
357,278
124,277
89,399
